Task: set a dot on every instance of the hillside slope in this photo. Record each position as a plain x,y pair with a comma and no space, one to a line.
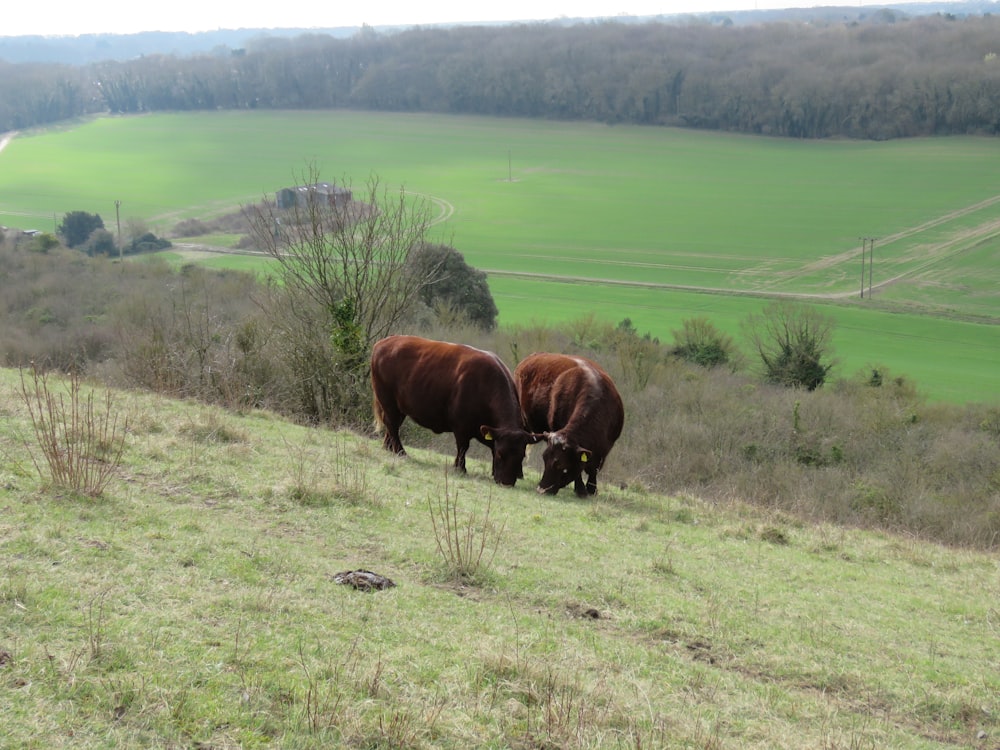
194,605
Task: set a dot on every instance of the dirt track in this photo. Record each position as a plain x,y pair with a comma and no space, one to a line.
929,254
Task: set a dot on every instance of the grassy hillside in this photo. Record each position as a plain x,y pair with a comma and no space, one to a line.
619,221
193,605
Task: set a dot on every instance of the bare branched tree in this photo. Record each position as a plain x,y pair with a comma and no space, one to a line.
346,254
344,273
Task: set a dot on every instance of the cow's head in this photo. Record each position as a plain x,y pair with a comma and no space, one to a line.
508,447
564,462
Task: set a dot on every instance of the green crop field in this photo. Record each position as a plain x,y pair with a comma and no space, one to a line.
652,224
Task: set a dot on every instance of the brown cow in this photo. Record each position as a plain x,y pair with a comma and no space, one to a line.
450,388
575,404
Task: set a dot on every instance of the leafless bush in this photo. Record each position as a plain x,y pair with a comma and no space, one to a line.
309,377
50,307
467,545
232,223
190,228
196,334
517,342
81,440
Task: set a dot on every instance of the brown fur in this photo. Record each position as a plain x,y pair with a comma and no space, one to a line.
450,388
574,402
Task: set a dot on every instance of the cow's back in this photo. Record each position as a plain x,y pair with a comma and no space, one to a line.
540,379
559,392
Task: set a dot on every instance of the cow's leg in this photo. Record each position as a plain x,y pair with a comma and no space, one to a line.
389,416
578,486
392,443
392,422
462,446
592,482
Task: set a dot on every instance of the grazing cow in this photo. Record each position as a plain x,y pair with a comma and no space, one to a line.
450,388
576,406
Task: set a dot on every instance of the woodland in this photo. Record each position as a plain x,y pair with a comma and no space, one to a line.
888,76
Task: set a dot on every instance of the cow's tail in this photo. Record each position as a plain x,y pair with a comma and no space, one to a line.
379,423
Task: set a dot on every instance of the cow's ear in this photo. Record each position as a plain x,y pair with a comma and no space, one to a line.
537,437
584,455
487,433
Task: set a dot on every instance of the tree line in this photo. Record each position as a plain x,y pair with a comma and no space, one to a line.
887,77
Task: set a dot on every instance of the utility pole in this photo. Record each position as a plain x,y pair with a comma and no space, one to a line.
864,245
871,264
867,243
118,218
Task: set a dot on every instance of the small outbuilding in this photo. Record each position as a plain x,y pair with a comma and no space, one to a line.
301,195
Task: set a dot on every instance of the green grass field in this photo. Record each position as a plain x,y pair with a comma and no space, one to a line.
580,205
194,605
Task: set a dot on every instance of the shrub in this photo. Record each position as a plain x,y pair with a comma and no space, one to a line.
875,503
101,242
148,243
467,544
342,268
700,342
77,226
43,242
990,423
638,356
190,228
195,334
792,341
81,440
453,287
866,450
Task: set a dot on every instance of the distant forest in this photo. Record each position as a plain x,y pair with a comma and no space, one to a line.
889,76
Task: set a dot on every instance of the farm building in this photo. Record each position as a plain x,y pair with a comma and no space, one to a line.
300,195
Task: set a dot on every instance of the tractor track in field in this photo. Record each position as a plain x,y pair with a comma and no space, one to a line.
195,247
568,279
833,260
932,254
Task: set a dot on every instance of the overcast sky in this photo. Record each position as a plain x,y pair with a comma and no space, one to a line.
72,17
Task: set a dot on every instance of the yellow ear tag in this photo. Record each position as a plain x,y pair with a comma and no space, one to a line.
583,458
488,436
